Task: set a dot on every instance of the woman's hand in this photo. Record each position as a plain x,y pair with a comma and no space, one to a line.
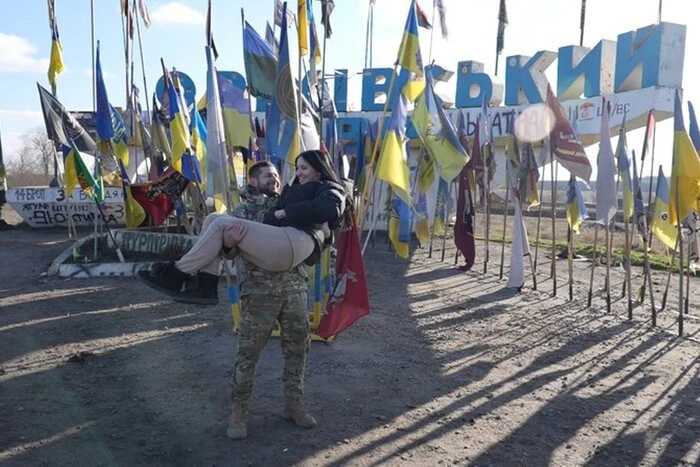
233,235
280,214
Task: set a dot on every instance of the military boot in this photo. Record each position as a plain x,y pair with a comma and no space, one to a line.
238,421
294,410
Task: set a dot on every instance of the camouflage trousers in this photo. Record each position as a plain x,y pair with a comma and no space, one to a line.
258,316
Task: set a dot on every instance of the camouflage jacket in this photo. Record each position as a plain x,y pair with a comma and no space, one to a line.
252,279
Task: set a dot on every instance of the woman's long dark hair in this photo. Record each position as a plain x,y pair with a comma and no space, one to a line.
321,162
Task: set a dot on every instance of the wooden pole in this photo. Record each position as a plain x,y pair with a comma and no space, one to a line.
687,277
570,250
595,257
668,277
445,218
628,269
539,220
487,199
680,261
505,219
554,236
608,259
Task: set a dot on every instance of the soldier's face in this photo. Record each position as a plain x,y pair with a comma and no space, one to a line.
267,181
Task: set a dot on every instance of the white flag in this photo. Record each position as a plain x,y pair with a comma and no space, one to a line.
519,249
606,190
217,161
442,11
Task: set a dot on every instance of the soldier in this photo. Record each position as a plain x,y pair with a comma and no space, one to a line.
267,297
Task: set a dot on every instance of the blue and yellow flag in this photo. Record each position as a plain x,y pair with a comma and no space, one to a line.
217,160
410,57
399,225
198,130
303,24
393,167
56,58
660,225
109,124
179,132
135,215
685,176
576,211
693,130
438,134
282,137
260,64
624,168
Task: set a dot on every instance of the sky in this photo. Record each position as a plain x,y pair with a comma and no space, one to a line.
177,35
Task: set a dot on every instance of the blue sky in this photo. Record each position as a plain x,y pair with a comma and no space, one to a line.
177,35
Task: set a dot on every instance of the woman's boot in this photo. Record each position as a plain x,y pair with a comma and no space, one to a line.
202,289
164,277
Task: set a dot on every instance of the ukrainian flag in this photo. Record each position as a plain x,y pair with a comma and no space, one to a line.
56,59
660,223
283,117
135,215
410,56
179,134
576,211
399,226
624,167
685,176
303,24
438,134
109,124
199,141
392,167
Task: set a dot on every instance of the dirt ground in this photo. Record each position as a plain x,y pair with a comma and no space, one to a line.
449,368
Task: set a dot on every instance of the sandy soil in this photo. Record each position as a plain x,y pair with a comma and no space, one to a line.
449,368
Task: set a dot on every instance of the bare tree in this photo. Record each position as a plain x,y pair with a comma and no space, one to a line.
32,164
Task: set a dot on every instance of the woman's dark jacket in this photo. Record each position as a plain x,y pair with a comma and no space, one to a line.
309,207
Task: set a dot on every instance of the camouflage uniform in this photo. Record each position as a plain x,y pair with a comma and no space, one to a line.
267,297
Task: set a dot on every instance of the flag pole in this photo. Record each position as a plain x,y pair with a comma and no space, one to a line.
432,36
368,190
628,266
446,216
487,200
322,91
608,241
94,109
687,271
505,221
539,221
554,226
649,234
595,260
143,66
368,35
570,250
680,255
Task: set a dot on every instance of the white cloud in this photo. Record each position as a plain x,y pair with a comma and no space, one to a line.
21,116
19,55
177,13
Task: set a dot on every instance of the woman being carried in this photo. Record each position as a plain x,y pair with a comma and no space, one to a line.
295,230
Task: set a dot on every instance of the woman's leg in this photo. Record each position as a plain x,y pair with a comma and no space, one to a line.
204,254
274,248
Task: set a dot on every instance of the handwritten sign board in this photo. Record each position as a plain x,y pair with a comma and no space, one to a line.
50,207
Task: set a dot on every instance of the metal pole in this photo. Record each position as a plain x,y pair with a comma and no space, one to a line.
98,210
